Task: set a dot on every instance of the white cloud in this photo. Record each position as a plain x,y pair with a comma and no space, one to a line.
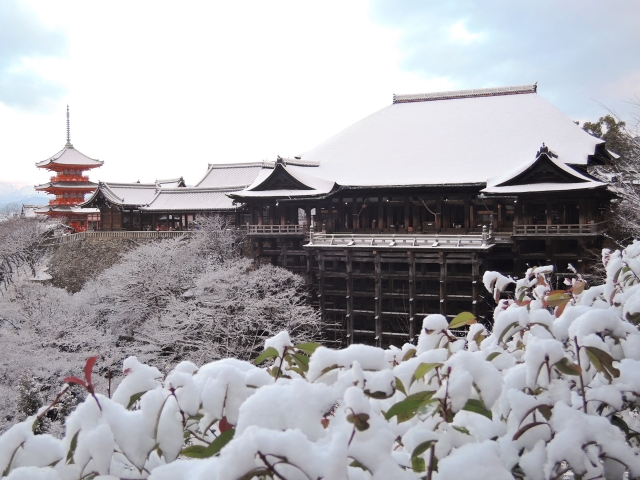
459,32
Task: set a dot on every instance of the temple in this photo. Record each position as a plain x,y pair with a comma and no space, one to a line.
399,215
70,185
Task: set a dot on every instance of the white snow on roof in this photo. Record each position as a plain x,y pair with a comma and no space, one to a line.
125,193
544,187
70,156
500,179
230,175
305,175
190,199
453,141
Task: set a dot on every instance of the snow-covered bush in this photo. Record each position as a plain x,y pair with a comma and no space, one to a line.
553,389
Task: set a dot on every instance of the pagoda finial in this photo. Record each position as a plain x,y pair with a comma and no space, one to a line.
68,129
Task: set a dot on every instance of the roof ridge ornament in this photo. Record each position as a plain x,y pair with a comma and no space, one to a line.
473,93
68,144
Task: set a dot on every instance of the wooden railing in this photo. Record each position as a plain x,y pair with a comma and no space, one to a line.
378,241
566,229
275,229
117,234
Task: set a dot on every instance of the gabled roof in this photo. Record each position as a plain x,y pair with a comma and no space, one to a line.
72,157
450,138
191,199
171,183
544,174
287,179
227,175
123,194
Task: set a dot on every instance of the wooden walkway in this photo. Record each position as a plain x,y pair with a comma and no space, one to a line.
117,234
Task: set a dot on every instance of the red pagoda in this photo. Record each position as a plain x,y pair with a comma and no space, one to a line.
70,185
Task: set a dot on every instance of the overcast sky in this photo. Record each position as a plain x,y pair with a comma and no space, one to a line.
160,89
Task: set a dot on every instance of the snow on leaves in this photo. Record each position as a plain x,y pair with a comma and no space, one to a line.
553,389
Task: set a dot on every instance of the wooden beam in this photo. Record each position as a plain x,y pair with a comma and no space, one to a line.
413,327
443,283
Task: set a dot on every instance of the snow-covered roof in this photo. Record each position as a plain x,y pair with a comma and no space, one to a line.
124,193
72,157
75,209
67,185
171,183
450,138
227,175
190,199
286,178
546,173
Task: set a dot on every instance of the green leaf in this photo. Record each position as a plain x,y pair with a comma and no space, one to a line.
603,362
377,394
461,429
201,451
528,426
493,355
308,348
267,354
558,299
462,319
400,386
410,354
423,369
134,398
361,421
476,406
72,447
423,447
418,464
407,408
301,361
504,332
357,464
259,472
565,366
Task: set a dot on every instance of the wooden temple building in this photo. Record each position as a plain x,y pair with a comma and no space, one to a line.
399,215
69,185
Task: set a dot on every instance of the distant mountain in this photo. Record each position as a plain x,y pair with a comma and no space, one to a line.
11,192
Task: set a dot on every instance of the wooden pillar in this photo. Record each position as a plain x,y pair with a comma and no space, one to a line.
582,214
468,214
112,208
321,297
438,213
355,216
282,210
443,283
548,215
349,298
389,215
413,328
283,252
406,212
153,222
475,284
416,216
380,214
378,297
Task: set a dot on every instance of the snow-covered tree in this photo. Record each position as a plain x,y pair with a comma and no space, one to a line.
193,298
21,246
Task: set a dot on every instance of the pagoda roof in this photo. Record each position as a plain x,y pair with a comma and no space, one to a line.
70,209
67,185
190,199
72,157
450,138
